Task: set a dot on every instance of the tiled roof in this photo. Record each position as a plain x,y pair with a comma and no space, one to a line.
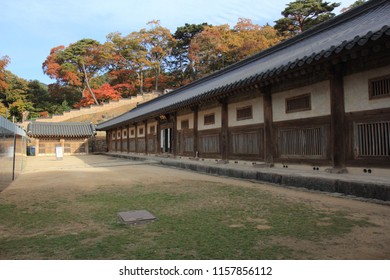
61,129
356,27
7,127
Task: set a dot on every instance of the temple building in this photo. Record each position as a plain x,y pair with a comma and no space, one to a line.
321,98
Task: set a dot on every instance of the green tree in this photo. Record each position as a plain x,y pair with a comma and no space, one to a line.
181,65
128,62
14,98
158,41
353,5
219,46
301,15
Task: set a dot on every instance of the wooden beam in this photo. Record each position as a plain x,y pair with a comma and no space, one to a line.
337,141
146,136
174,133
224,130
195,110
268,127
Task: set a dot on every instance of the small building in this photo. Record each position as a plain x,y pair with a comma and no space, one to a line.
321,98
73,137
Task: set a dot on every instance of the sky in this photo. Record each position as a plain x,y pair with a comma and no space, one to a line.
31,28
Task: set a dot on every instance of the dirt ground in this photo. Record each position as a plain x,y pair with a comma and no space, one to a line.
46,176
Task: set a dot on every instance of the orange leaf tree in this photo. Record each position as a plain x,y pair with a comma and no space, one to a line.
77,64
102,94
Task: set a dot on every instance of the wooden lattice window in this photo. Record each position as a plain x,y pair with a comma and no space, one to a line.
132,132
125,133
244,113
141,131
185,124
302,142
152,129
209,119
372,139
298,103
119,135
379,87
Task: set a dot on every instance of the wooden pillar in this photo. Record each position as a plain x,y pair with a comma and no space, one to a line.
268,127
337,116
224,130
116,140
121,142
195,141
128,138
158,135
146,136
174,134
136,138
108,141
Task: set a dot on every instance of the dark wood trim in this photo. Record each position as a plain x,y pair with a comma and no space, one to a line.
268,126
195,112
224,139
258,128
337,120
145,123
136,137
303,122
209,132
174,133
377,115
108,141
323,122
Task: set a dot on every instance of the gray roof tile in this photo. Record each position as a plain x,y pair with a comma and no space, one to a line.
356,27
61,129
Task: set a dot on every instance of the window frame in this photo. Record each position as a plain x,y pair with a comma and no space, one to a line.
209,122
301,96
371,95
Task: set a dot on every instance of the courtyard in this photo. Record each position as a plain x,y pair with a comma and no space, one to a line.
68,209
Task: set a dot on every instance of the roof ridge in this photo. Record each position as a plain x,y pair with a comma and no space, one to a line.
282,45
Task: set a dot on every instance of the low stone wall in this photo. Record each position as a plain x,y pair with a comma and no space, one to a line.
332,184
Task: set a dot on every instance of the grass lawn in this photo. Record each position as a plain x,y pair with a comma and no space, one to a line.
195,220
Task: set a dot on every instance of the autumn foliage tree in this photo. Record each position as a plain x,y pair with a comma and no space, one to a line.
219,46
77,64
102,94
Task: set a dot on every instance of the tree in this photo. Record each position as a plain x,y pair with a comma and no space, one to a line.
103,94
127,61
181,65
301,15
219,46
3,64
354,5
14,98
77,64
158,41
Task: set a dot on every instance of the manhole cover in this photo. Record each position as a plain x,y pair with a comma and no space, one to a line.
136,217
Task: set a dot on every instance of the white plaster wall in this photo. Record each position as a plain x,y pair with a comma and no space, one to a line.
132,128
152,124
356,91
257,112
218,118
139,128
189,117
320,102
119,134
